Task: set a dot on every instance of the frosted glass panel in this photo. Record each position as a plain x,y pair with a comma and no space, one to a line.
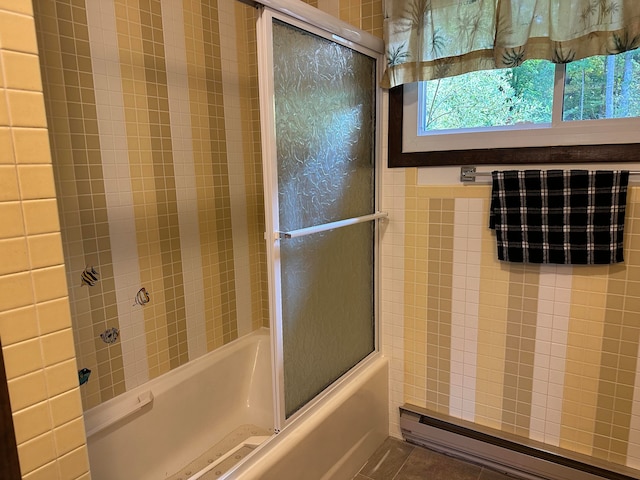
325,113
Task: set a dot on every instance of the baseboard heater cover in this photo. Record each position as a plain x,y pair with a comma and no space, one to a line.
498,450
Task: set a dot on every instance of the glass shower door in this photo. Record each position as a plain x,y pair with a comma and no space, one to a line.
320,180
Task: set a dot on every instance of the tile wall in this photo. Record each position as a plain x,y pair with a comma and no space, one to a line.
549,353
35,322
84,83
154,126
85,88
34,308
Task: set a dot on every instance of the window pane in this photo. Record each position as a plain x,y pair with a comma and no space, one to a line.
491,98
603,87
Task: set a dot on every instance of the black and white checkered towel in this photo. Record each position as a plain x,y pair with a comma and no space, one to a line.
559,216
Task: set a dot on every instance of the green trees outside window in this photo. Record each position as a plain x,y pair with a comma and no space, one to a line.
595,88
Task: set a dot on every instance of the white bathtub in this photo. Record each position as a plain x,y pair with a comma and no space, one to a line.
333,439
192,408
195,405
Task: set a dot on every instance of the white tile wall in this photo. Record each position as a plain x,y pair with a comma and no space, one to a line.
554,297
465,300
392,271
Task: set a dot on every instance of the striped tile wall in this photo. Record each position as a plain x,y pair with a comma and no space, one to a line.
35,315
73,129
154,127
364,14
154,124
545,352
146,114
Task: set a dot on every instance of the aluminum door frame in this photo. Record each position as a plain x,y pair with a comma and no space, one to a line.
317,23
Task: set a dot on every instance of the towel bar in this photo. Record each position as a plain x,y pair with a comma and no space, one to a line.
468,174
330,226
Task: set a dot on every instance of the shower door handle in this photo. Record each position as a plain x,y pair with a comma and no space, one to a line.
330,226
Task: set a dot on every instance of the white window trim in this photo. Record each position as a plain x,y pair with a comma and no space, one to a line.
558,133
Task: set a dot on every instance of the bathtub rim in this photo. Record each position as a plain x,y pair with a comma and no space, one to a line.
112,410
333,396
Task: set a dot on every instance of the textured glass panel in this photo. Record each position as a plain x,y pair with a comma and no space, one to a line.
324,101
324,106
328,324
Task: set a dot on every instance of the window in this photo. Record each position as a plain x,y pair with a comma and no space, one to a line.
487,100
539,112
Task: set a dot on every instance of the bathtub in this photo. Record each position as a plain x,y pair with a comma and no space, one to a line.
334,437
152,431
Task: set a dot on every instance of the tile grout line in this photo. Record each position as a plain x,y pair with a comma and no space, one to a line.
413,449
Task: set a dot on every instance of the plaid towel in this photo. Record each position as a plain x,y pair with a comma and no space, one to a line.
556,216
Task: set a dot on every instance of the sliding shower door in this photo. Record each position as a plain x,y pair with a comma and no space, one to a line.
319,97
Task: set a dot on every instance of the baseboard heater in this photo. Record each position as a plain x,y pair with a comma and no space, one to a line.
501,451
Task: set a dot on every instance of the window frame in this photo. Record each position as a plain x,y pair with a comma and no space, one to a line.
609,153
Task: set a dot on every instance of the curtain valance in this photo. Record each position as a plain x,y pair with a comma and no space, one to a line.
427,39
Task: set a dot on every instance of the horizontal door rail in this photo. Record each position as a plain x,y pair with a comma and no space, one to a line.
331,225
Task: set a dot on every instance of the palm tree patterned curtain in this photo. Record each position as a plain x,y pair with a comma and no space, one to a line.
428,39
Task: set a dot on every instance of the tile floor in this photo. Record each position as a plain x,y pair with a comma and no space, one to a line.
399,460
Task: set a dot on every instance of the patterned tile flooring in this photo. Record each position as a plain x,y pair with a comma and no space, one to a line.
398,460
